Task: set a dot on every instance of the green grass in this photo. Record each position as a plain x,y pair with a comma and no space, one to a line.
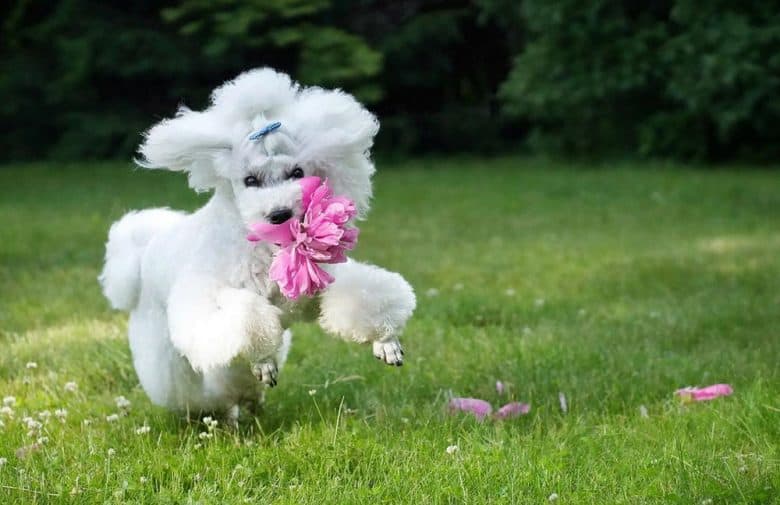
629,282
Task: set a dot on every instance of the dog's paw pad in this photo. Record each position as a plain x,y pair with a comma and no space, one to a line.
266,372
390,352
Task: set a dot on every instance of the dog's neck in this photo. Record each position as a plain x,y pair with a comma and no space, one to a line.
222,202
246,263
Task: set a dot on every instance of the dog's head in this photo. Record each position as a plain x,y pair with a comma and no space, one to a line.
261,132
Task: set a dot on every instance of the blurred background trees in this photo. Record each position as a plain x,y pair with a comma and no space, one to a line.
668,78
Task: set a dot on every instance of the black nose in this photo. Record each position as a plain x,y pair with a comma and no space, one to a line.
279,216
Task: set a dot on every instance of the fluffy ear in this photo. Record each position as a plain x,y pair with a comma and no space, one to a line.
333,123
190,142
336,130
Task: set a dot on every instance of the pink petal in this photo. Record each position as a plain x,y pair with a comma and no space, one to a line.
692,394
308,185
480,408
499,387
513,409
280,234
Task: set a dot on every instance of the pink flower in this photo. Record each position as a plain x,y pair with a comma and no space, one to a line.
513,409
320,237
691,394
480,408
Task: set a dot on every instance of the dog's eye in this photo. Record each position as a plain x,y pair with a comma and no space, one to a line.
297,173
251,181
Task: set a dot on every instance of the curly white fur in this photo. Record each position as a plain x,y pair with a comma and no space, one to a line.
205,328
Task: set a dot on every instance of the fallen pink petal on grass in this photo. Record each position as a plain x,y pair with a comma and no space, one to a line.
691,394
480,408
513,409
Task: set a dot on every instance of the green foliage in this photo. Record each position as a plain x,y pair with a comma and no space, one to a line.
290,30
443,63
73,74
677,78
84,78
668,78
723,77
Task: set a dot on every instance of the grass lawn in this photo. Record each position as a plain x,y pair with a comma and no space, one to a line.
614,285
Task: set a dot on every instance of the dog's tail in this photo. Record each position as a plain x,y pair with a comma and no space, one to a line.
127,240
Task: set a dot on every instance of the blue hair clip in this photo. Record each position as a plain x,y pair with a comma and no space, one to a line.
268,129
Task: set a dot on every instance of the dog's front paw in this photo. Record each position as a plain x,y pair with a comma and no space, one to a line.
266,372
389,351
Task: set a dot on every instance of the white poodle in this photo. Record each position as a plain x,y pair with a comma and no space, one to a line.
206,323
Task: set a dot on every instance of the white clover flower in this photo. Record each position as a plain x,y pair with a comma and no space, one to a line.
110,452
198,446
643,411
539,302
312,392
563,402
203,435
3,461
432,292
31,364
143,430
210,423
143,480
71,387
9,401
510,292
122,402
7,411
32,424
452,449
112,417
44,415
553,497
86,422
61,414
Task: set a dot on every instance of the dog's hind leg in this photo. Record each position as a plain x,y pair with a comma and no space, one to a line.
127,240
